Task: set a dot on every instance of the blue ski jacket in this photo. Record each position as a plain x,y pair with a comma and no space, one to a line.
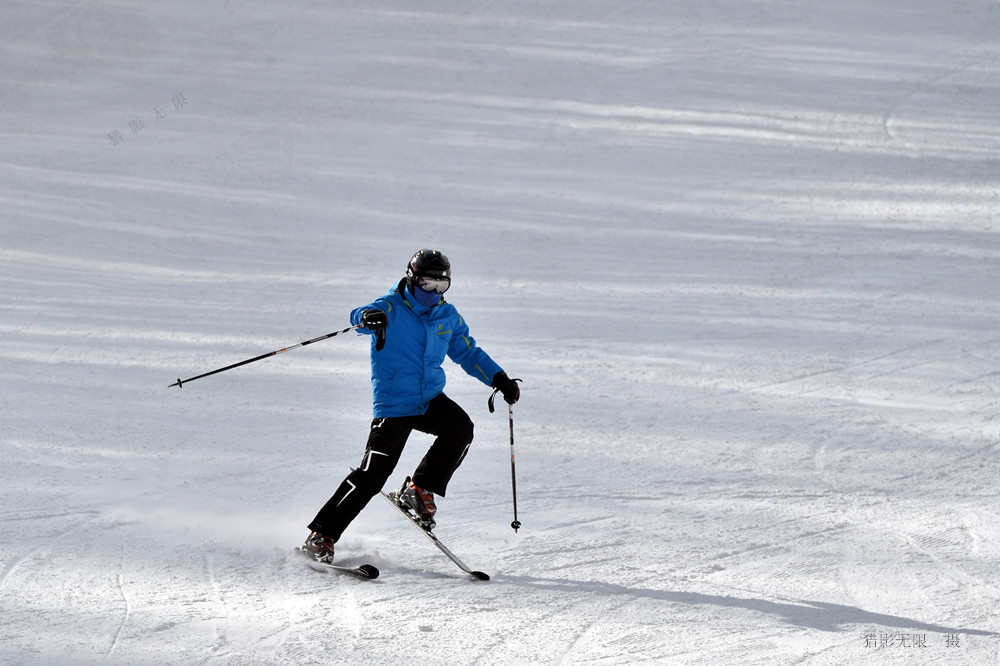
407,372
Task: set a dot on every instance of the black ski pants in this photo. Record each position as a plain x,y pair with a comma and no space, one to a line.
444,419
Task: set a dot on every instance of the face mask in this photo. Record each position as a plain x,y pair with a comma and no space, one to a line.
428,299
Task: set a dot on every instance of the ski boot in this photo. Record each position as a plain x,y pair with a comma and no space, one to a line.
319,547
417,501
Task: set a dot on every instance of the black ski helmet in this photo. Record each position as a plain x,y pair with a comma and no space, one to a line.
429,264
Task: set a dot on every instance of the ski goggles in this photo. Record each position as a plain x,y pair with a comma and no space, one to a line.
436,284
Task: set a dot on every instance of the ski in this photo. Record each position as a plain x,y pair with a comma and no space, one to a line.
365,571
478,575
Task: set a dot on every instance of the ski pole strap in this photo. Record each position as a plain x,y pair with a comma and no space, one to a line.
494,395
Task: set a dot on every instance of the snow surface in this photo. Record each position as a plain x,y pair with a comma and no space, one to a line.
743,254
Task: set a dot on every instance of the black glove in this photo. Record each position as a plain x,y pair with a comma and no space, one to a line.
506,386
376,320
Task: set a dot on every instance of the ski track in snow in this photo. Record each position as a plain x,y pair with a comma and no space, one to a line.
743,256
128,607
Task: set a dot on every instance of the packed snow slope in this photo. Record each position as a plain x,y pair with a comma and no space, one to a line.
743,255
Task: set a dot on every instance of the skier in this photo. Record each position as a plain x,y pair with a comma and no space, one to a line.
413,328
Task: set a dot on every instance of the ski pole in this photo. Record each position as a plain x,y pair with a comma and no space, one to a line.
516,524
180,383
513,481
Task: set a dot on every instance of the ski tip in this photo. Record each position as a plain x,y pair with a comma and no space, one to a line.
365,571
479,575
